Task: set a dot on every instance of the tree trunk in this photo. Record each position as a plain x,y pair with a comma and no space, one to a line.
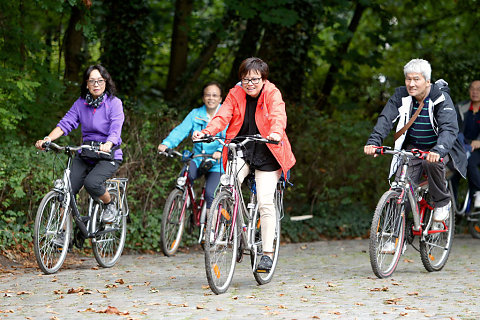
73,42
336,64
179,46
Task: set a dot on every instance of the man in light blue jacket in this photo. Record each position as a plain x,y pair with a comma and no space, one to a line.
197,120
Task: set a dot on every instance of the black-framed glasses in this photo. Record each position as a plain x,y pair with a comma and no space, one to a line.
253,80
211,95
100,82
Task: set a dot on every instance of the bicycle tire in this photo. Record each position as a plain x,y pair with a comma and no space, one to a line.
474,228
108,247
172,227
50,238
382,232
435,248
262,277
220,250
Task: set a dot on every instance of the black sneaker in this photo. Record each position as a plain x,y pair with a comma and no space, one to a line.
109,213
79,238
264,265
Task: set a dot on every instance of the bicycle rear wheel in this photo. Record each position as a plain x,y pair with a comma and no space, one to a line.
110,240
51,233
266,277
474,227
172,222
221,244
435,248
387,234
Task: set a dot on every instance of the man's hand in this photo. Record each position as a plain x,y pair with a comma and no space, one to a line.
475,144
216,155
162,147
433,157
197,135
370,150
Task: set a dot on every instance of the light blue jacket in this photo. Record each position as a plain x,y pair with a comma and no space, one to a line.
196,120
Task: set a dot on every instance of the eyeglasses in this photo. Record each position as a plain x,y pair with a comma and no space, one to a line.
100,82
211,95
253,80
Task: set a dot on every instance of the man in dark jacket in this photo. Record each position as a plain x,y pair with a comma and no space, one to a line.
434,130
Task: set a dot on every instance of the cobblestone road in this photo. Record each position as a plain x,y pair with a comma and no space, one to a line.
320,280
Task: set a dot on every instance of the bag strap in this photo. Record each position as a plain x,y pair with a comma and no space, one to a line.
408,125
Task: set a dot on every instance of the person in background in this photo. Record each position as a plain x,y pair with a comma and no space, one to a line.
255,106
100,114
198,119
471,131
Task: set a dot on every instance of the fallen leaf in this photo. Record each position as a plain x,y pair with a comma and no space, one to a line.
6,311
219,309
71,290
303,247
334,312
379,289
331,284
54,280
120,281
205,286
200,307
408,260
412,293
102,292
307,286
303,299
359,304
130,287
282,306
57,292
403,314
173,277
393,301
111,285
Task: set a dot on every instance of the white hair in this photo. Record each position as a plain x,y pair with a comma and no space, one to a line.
418,66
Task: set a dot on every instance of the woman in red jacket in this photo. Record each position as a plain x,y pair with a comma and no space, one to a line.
255,106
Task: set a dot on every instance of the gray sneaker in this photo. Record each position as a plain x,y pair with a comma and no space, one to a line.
109,213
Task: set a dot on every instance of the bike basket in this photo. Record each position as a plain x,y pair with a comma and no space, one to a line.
205,166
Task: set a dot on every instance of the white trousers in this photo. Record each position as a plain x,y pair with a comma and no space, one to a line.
266,182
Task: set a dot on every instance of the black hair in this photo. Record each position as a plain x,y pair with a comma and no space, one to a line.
110,88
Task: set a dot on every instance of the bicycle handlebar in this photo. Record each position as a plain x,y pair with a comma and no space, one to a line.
247,138
172,152
48,145
412,153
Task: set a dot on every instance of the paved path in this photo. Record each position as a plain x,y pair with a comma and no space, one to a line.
321,280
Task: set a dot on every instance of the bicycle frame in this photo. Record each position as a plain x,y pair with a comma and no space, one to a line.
415,197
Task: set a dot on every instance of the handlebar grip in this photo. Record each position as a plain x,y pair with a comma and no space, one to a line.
273,142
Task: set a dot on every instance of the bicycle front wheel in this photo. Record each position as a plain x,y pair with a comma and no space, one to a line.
110,238
435,248
51,233
266,277
221,243
173,222
387,234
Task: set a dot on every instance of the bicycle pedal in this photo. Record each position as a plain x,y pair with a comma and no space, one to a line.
262,271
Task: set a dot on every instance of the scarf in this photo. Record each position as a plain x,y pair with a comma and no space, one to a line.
94,102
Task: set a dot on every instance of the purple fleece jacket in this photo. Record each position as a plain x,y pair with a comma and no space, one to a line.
98,124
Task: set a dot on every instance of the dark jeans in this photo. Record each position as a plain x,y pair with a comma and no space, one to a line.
92,175
435,172
211,182
473,174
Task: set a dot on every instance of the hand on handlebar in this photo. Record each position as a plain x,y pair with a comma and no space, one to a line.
216,155
433,157
106,147
370,150
197,135
274,136
162,148
39,144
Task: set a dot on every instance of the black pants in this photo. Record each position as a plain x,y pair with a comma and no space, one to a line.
211,182
92,175
435,172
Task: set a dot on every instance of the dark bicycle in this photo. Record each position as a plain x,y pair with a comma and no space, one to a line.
182,207
53,222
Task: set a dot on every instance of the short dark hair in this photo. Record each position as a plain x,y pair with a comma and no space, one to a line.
110,88
255,64
213,83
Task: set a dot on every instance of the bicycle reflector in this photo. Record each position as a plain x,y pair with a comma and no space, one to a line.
187,154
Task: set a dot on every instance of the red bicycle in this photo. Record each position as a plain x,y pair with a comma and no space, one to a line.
182,207
393,227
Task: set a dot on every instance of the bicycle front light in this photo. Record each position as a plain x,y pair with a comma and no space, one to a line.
58,184
181,181
225,179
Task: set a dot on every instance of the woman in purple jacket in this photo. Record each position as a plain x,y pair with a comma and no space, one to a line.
101,117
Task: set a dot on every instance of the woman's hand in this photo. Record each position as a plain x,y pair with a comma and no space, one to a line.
39,143
370,150
216,155
106,147
274,136
162,147
197,135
